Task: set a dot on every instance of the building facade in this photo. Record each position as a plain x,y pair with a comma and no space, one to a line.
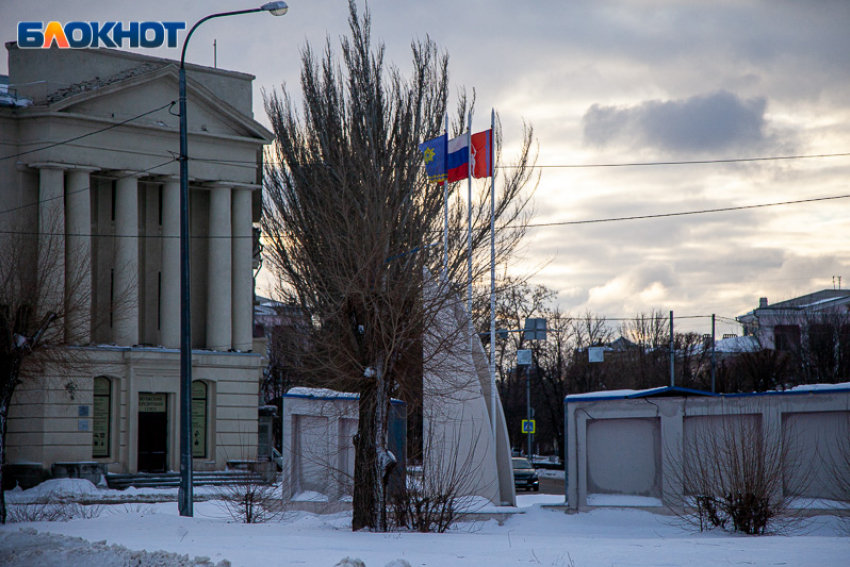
781,325
637,447
90,141
812,330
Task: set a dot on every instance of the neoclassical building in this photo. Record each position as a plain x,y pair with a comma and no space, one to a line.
88,148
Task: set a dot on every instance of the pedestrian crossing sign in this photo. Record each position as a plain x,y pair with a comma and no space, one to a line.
529,426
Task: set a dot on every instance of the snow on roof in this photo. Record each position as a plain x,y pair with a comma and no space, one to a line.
603,394
320,393
820,387
325,394
8,98
629,394
677,391
822,302
738,344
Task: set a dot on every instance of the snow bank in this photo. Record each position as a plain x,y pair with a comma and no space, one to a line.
28,548
71,489
541,536
61,489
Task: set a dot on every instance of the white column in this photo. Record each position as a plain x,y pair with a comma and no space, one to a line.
243,279
78,258
50,284
125,326
218,270
169,308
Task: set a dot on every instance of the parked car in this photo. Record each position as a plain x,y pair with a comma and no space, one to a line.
525,476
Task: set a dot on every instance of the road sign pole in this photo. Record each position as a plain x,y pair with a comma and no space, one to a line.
528,407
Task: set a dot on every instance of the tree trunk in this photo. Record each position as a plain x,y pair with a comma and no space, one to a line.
373,461
4,407
365,456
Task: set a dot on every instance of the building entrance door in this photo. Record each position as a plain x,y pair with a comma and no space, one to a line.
152,432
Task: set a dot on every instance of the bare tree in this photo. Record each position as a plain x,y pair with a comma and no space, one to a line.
351,225
692,361
44,302
649,361
589,330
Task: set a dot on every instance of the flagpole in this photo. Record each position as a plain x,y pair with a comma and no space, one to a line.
491,165
446,211
469,222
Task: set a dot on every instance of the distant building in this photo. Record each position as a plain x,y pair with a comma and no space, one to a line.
784,325
94,165
813,330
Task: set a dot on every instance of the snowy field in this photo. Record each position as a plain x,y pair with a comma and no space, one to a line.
539,536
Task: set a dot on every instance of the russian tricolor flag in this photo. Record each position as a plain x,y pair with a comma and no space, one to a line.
457,161
459,155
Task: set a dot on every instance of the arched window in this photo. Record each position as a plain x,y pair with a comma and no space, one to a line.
101,416
199,419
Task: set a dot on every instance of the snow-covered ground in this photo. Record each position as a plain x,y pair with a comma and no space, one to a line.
539,536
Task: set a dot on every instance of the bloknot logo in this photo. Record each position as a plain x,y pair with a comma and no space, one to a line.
81,35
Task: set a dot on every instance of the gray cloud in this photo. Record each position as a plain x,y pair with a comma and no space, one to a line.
701,123
770,78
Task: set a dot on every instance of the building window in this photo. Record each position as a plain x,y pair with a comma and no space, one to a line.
844,350
199,419
101,417
786,338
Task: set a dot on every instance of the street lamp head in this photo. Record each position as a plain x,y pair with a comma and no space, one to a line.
276,8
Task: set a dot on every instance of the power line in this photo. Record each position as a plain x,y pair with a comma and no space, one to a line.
685,213
686,162
63,195
599,165
532,225
80,137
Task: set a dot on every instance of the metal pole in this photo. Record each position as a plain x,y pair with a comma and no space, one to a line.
492,169
185,499
446,212
713,361
528,406
185,496
672,354
469,220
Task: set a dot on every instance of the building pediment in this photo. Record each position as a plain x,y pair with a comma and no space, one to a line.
131,96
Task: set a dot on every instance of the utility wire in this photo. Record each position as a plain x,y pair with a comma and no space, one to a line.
601,165
685,213
63,195
592,221
686,162
74,139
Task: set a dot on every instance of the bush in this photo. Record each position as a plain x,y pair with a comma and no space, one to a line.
735,476
250,501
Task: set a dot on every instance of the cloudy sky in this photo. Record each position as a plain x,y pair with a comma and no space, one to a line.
606,82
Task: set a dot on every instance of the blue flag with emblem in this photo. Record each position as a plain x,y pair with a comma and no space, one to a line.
434,152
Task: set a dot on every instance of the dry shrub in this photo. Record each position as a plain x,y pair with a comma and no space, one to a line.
735,476
250,501
434,497
51,512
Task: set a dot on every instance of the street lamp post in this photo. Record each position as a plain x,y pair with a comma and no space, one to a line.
184,496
